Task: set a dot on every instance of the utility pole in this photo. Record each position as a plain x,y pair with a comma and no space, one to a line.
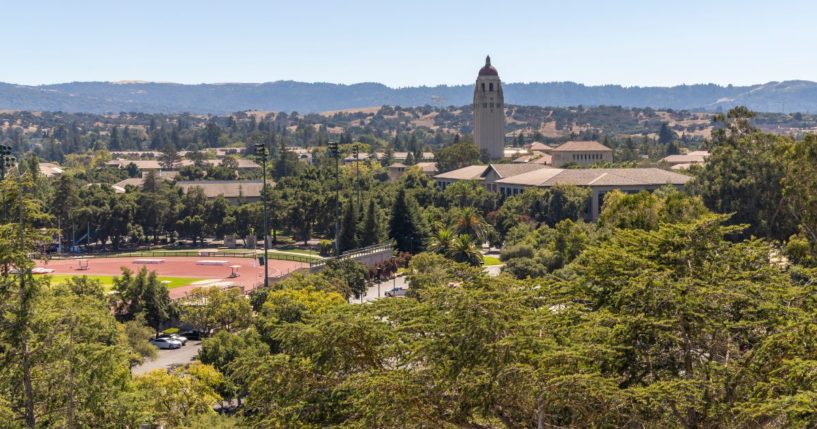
334,151
6,162
261,151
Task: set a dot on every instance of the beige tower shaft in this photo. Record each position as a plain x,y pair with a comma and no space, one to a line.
489,112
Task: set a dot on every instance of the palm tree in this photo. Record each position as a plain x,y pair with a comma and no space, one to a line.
469,223
464,250
441,241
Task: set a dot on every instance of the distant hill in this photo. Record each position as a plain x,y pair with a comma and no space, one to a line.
105,97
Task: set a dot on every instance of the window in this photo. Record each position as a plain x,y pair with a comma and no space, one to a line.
484,105
483,87
491,87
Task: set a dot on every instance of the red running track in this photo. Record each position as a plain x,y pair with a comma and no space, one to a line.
249,276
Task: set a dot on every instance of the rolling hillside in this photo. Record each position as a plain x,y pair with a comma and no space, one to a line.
104,97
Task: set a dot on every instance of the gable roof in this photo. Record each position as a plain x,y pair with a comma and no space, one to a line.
690,158
227,188
582,146
49,169
597,177
427,167
510,170
540,147
472,172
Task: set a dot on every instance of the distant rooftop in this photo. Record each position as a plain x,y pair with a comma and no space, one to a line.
582,146
547,177
472,172
227,188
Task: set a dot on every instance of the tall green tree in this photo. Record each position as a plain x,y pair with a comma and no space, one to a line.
348,239
372,232
406,227
743,176
142,295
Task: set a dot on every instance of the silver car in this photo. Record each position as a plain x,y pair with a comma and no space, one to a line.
166,343
396,292
175,337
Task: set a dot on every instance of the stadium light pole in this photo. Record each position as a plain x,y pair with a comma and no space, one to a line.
261,151
334,151
6,161
356,151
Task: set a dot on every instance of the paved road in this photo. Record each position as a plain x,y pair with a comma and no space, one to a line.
372,291
168,358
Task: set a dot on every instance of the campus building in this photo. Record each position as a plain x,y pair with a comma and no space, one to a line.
512,179
580,153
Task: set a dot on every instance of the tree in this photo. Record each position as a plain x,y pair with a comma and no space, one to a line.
469,223
647,211
798,187
441,241
666,135
209,308
469,193
172,397
372,232
142,295
406,226
66,200
465,251
457,155
348,228
694,320
193,213
743,176
19,240
170,157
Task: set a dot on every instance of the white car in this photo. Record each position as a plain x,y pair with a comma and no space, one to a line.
175,337
396,292
166,343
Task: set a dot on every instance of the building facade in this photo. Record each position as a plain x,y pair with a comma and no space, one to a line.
581,153
489,112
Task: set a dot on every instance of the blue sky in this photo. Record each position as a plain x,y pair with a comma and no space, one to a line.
407,43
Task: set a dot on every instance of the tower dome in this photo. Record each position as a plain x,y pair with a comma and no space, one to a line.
488,69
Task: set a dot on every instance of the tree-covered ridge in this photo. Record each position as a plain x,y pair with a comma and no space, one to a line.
103,97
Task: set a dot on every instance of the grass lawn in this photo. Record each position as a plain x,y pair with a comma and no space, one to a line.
107,281
491,260
298,250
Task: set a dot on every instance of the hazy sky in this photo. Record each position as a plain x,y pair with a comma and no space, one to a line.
408,42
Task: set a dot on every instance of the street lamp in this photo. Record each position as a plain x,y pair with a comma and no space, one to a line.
334,151
261,152
379,279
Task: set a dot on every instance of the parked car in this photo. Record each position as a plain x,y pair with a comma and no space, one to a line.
191,335
166,343
177,337
396,292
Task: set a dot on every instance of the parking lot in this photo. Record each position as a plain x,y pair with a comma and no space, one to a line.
168,358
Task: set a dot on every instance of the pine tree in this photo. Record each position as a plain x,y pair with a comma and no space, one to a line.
406,226
348,229
372,232
666,135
